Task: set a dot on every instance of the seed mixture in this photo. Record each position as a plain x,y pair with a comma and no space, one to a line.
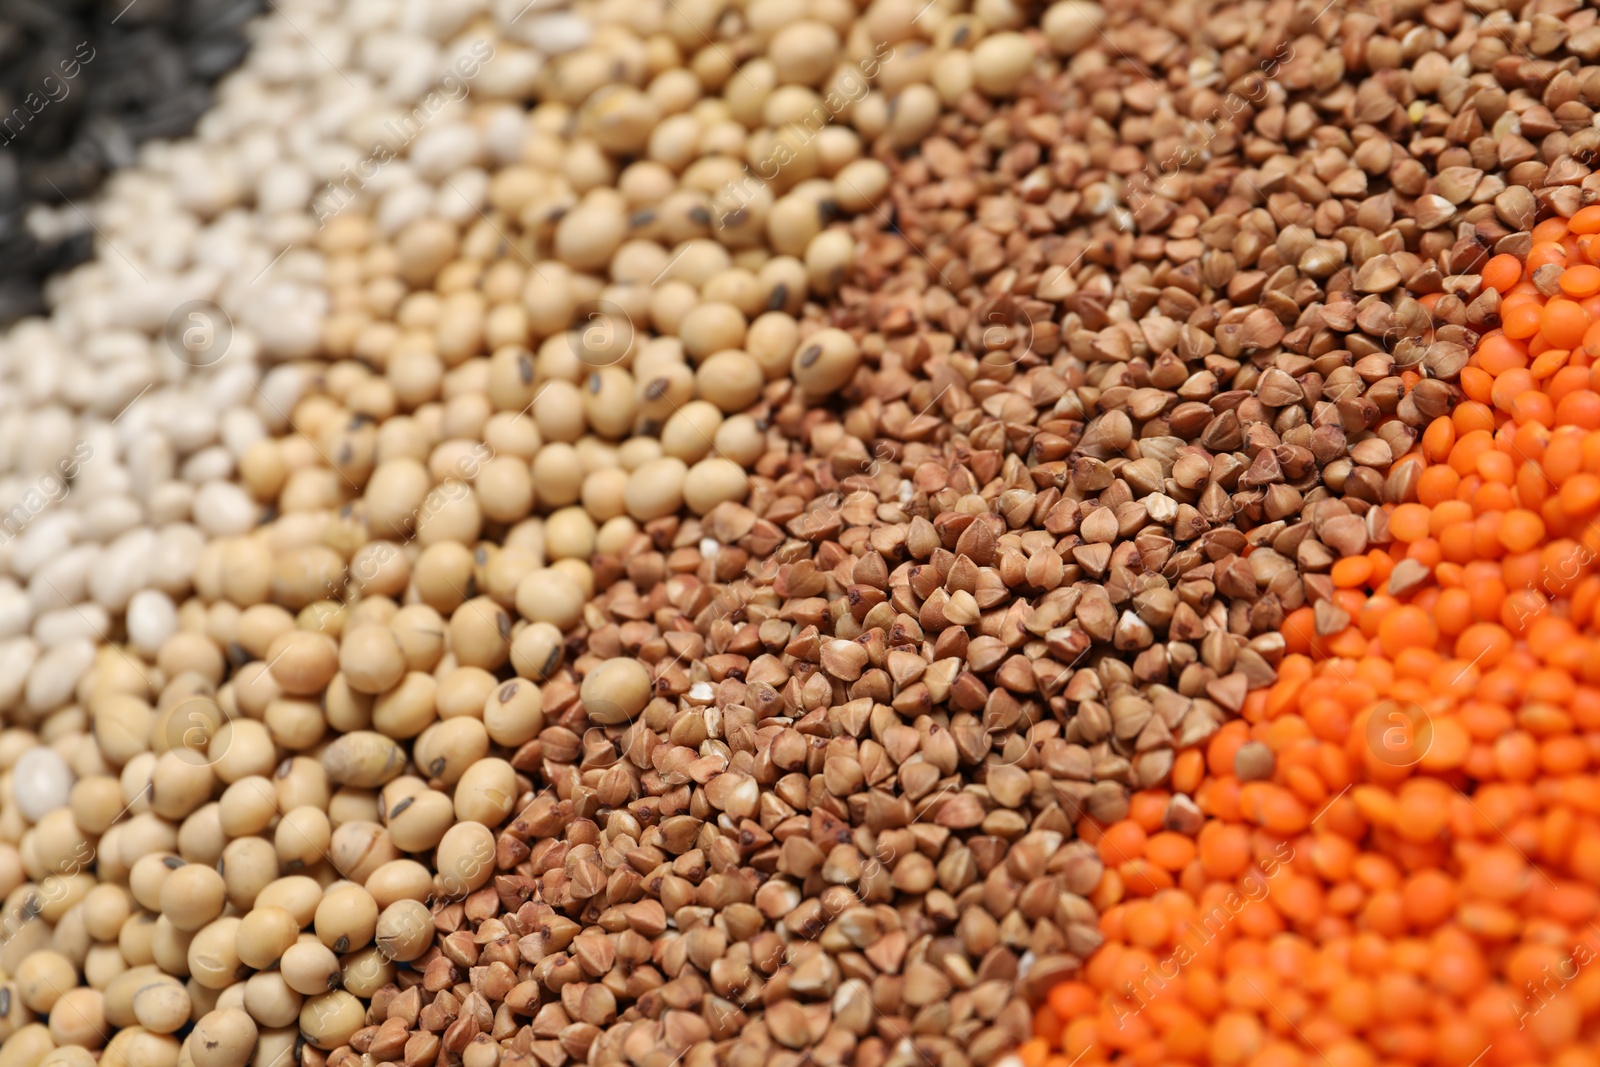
1397,861
777,533
80,89
124,415
1405,821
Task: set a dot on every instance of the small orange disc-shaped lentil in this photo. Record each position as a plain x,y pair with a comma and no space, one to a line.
1496,466
1538,346
1563,457
1490,922
1568,902
1498,353
1187,1038
1224,849
1493,496
1428,553
1520,568
1146,925
1346,898
1565,562
1414,664
1563,756
1459,972
1219,798
1472,445
1299,899
1400,996
1502,272
1299,631
1409,522
1552,229
1579,408
1382,563
1477,383
1585,859
1148,808
1351,571
1082,1034
1523,321
1406,626
1285,1053
1422,813
1516,756
1528,442
1454,679
1532,406
1224,746
1439,438
1447,514
1484,643
1556,1024
1236,1036
1488,595
1550,363
1187,770
1448,747
1351,1004
1072,999
1544,253
1307,785
1246,986
1428,898
1278,810
1498,873
1580,281
1474,415
1580,495
1171,851
1437,484
1532,486
1452,612
1509,386
1563,323
1123,841
1486,721
1568,380
1521,608
1347,1052
1521,530
1585,220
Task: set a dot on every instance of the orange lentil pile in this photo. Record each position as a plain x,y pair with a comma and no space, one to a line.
1393,855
